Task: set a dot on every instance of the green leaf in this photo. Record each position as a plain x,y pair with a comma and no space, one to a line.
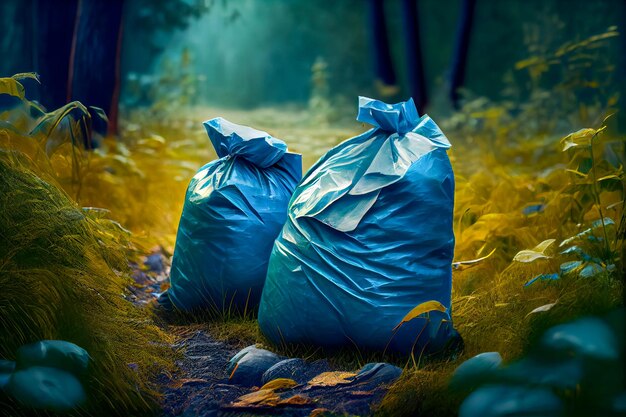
608,177
573,171
12,87
581,138
538,252
542,277
542,309
569,267
27,75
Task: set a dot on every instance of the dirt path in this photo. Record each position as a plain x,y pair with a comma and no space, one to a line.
210,383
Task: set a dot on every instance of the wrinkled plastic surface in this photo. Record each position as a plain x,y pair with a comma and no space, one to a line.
234,208
369,237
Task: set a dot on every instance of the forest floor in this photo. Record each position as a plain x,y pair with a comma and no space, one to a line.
205,385
527,205
493,310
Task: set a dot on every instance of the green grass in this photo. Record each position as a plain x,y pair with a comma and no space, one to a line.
507,329
63,274
63,270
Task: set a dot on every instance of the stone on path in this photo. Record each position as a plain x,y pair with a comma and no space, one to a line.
217,378
248,366
297,369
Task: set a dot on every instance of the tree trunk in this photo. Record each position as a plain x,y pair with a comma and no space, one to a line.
54,33
94,75
459,60
415,63
383,65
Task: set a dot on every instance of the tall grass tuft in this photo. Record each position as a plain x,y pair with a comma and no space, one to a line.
64,274
64,270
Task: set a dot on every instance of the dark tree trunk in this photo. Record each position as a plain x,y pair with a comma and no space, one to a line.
383,65
94,75
459,60
16,41
415,63
54,32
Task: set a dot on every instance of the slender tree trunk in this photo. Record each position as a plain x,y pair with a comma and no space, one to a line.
459,60
414,60
54,32
383,65
95,58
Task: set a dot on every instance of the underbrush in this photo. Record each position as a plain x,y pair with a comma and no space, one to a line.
546,209
63,276
542,208
64,269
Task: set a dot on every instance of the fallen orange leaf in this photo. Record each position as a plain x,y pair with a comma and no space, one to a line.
330,379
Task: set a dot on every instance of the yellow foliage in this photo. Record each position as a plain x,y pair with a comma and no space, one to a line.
423,308
279,384
330,379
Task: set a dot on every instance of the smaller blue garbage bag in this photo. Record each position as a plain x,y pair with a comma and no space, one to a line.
234,208
368,238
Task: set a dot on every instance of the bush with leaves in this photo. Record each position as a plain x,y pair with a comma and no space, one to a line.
64,268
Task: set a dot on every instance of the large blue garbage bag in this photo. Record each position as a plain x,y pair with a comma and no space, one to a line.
234,209
368,238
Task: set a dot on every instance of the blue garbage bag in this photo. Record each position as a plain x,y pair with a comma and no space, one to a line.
234,208
368,238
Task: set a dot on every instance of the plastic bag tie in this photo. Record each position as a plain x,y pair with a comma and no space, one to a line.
256,146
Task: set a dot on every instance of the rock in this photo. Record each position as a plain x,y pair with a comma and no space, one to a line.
297,369
141,277
475,371
503,400
6,370
4,380
589,337
54,353
248,366
155,262
568,373
46,388
235,359
6,366
377,374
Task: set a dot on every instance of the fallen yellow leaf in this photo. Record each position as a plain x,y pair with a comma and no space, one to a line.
425,307
330,379
260,398
280,383
296,400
